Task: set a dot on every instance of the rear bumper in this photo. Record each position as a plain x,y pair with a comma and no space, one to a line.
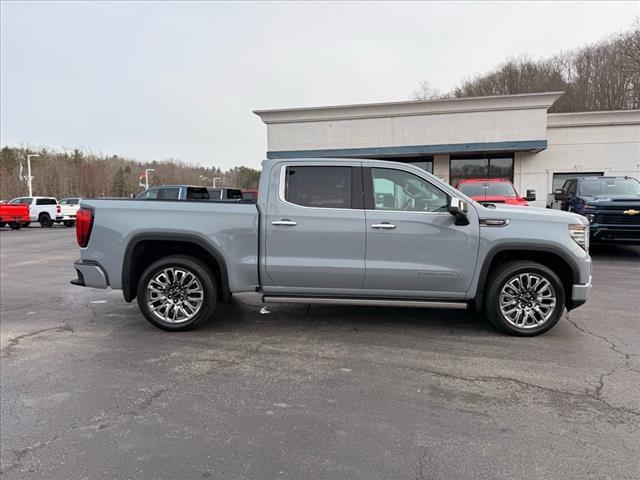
90,274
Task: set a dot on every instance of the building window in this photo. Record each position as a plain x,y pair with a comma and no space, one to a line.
498,166
321,187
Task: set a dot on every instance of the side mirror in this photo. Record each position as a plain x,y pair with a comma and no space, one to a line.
558,194
459,208
531,196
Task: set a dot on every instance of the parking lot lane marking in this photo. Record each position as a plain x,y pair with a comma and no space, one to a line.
345,370
281,405
98,301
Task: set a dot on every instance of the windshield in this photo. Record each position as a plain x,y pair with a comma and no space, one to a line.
69,201
24,201
498,189
610,186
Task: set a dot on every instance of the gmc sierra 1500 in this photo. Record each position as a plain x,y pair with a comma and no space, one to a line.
357,232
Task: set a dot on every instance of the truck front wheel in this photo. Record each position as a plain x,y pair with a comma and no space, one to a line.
524,298
177,293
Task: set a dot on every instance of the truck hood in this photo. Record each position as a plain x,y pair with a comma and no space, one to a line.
617,201
514,212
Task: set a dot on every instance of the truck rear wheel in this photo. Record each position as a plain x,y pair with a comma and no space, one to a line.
15,225
177,293
524,298
45,220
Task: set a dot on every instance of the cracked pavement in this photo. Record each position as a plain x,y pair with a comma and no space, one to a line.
91,390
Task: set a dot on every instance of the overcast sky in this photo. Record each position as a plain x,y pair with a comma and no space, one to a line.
162,80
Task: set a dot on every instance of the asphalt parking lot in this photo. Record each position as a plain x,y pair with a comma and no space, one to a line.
89,389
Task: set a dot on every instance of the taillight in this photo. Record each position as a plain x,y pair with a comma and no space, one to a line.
58,209
84,224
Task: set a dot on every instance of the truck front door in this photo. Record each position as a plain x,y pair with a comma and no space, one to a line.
315,228
414,247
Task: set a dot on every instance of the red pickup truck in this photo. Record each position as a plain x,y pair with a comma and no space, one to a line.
15,215
494,190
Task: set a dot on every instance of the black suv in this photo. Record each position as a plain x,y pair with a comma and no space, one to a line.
612,205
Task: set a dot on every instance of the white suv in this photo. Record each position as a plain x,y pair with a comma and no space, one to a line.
44,210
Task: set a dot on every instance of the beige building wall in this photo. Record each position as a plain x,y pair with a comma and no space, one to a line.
607,142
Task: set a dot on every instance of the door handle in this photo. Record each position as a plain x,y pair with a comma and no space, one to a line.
383,226
284,223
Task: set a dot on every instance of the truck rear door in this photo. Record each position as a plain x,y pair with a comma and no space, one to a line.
315,228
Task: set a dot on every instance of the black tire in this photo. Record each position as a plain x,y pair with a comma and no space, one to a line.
45,220
195,267
2,224
506,273
15,225
69,223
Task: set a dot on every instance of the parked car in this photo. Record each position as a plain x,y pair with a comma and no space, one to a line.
428,245
189,192
44,210
16,215
494,190
611,204
68,209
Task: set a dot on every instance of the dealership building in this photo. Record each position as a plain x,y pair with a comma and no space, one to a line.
510,136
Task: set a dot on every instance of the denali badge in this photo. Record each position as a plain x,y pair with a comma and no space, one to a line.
631,212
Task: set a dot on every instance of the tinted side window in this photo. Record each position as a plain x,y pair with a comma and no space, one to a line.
172,193
215,193
572,187
321,187
45,201
197,193
234,194
400,190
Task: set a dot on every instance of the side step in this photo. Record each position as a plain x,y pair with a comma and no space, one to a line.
370,302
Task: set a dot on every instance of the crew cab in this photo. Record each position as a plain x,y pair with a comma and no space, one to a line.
14,215
494,190
44,210
68,209
349,232
611,204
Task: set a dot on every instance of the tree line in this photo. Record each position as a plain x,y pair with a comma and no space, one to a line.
602,76
85,174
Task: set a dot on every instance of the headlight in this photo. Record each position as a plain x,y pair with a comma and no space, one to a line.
580,235
590,217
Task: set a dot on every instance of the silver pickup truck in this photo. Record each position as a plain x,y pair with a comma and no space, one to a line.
352,232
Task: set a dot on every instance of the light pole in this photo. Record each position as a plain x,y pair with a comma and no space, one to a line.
213,179
146,176
29,177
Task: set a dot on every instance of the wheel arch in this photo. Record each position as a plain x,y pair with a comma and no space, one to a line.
553,258
143,249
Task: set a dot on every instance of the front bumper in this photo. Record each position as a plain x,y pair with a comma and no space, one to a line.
90,274
579,294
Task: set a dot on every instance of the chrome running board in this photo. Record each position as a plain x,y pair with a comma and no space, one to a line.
370,302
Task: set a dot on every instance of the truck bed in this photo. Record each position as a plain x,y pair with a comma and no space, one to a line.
231,227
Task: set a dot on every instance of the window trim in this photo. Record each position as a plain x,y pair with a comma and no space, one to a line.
369,199
356,175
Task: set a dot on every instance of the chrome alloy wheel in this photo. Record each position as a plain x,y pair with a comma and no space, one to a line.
527,300
174,295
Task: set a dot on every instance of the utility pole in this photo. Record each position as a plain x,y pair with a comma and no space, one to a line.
214,181
29,177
